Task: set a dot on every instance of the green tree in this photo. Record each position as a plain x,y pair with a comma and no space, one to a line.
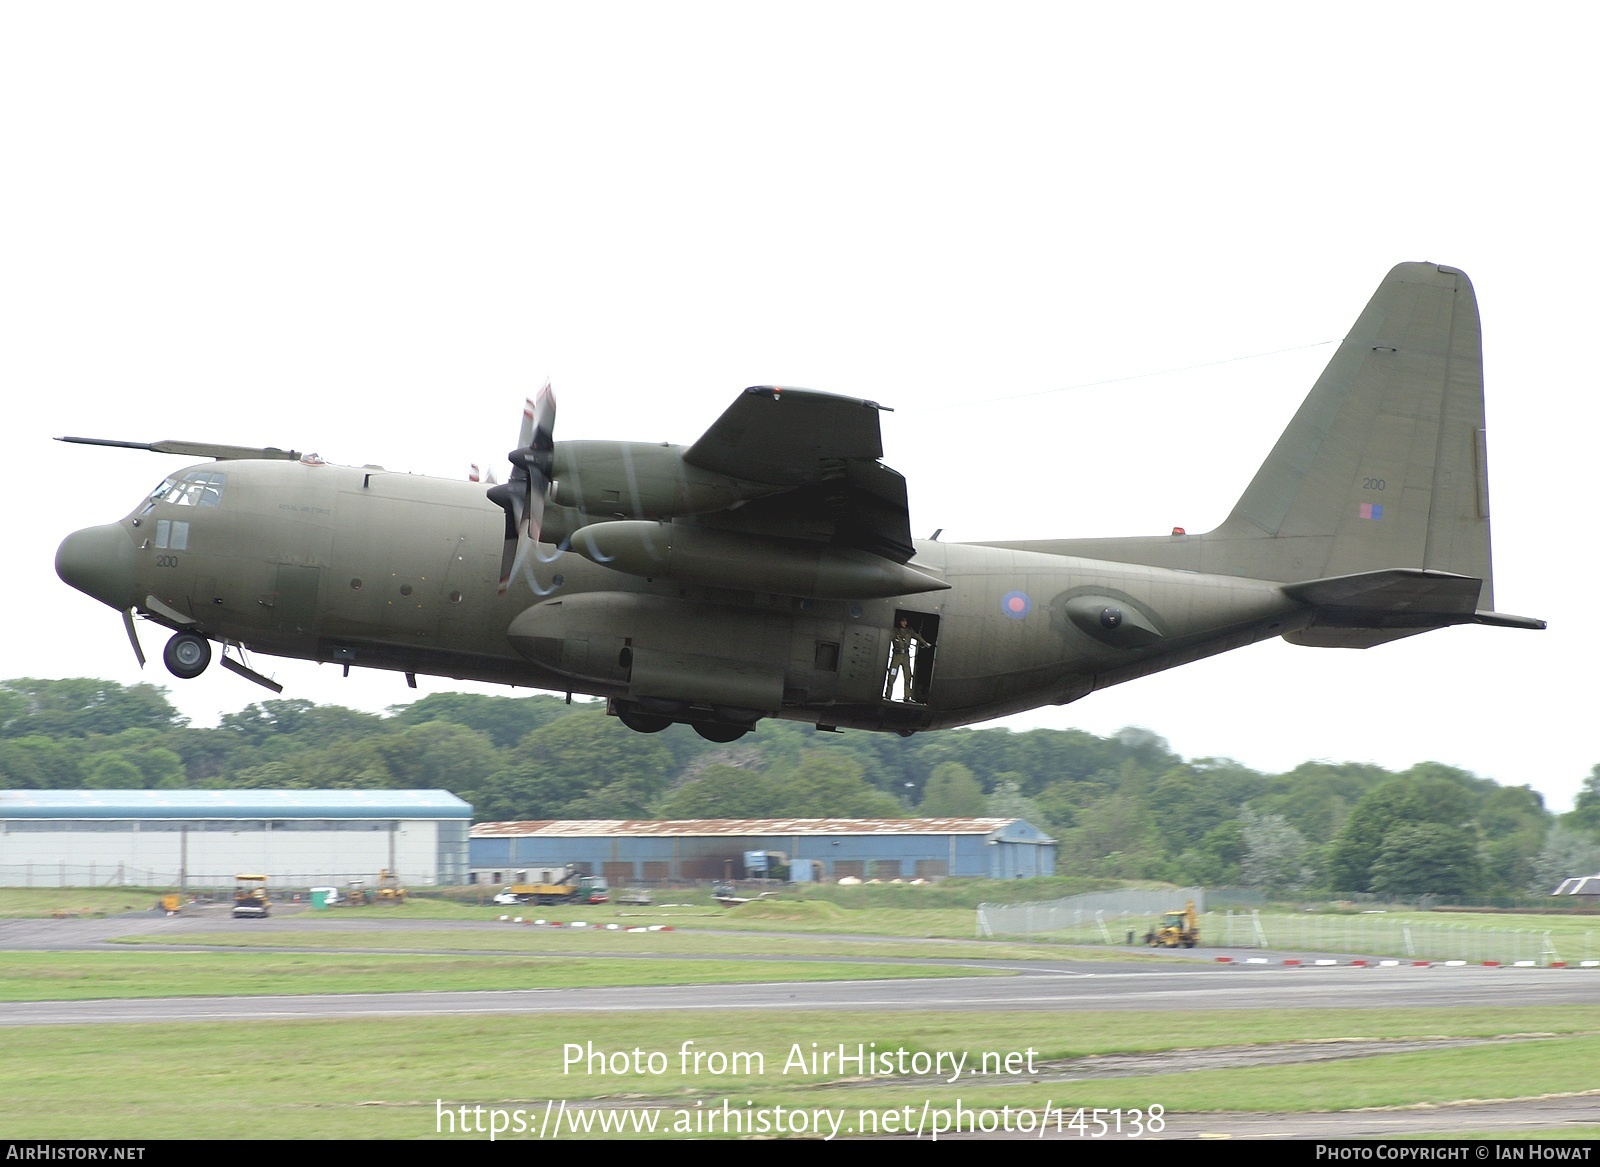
40,763
723,792
1423,858
1007,801
309,724
350,764
1585,814
1566,853
503,720
439,755
824,786
586,765
1436,798
1186,805
1275,854
110,771
1114,837
952,792
81,706
1317,797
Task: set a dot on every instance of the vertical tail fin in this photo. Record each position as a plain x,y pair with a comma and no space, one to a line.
1384,465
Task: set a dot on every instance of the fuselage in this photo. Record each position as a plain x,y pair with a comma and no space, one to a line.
370,568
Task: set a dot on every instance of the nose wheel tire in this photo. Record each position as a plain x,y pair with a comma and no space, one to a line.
187,655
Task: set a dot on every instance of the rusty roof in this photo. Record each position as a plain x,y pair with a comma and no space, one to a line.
653,828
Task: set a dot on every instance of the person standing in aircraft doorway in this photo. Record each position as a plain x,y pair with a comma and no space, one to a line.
900,658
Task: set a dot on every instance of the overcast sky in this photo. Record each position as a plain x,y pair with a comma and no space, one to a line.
1036,231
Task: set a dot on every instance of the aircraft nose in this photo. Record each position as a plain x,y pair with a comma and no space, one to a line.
98,561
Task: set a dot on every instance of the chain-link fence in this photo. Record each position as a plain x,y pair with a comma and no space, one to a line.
1372,934
1105,917
1120,918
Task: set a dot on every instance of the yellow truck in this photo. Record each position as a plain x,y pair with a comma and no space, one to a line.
564,885
1178,929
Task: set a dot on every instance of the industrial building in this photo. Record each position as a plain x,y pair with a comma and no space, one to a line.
1585,887
203,838
643,851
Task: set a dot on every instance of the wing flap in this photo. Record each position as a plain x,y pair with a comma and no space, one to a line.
823,450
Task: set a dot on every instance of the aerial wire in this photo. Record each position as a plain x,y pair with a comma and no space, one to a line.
1140,376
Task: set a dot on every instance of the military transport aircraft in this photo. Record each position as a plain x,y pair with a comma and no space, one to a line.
768,570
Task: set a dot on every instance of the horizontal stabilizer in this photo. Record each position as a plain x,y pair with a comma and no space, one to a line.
1409,590
1506,620
1375,607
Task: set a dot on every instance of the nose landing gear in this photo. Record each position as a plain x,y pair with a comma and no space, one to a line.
187,655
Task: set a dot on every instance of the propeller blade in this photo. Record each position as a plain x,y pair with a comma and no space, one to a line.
523,494
133,637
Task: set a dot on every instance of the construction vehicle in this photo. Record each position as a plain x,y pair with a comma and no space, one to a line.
171,904
556,885
250,900
389,890
1178,929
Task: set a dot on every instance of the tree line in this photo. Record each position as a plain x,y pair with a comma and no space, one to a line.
1123,806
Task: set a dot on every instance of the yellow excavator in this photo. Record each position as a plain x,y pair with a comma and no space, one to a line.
389,889
1178,929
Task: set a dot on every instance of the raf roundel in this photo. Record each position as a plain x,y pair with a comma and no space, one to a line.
1016,604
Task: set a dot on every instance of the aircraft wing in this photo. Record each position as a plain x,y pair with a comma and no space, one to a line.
824,450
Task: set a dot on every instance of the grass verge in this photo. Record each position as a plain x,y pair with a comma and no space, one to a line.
80,976
384,1077
592,940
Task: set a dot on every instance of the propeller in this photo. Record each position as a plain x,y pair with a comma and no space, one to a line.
523,495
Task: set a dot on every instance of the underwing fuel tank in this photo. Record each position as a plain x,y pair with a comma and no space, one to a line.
728,559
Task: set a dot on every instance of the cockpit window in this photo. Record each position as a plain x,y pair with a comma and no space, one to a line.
198,488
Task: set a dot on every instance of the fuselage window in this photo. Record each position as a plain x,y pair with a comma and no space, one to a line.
172,535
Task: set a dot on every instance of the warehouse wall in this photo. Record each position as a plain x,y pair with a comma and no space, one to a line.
163,853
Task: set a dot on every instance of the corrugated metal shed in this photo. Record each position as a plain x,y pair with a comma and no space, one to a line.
628,850
651,829
1582,885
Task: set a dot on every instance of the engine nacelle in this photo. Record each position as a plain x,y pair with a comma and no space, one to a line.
641,480
731,559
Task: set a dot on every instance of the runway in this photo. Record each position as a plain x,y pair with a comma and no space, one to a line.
1096,987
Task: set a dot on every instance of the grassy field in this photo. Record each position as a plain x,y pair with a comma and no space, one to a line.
387,1077
384,1078
545,941
781,915
77,976
38,902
